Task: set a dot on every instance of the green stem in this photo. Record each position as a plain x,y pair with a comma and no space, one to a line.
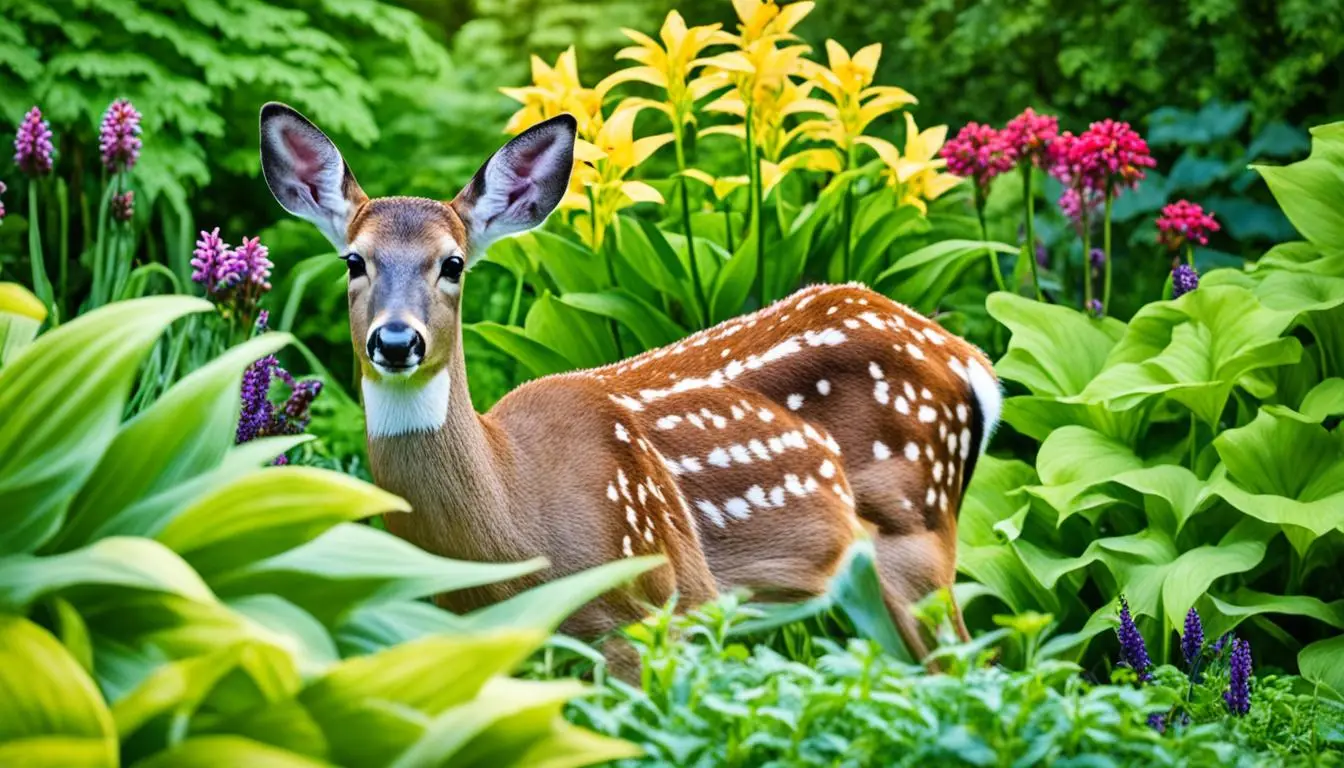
696,283
1190,255
600,245
1193,452
41,286
984,235
1106,250
1087,262
100,250
728,225
62,269
1029,250
757,202
848,213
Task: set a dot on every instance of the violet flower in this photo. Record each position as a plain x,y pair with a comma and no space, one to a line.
1133,652
32,145
1238,694
119,136
1158,722
2,202
257,412
1184,279
210,252
1192,640
1094,308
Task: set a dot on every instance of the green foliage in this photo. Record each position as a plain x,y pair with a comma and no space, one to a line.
708,700
166,600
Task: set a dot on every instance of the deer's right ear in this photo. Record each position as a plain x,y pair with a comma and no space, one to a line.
306,172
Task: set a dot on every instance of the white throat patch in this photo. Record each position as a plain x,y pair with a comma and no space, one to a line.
399,407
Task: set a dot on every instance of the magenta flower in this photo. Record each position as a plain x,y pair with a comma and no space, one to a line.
119,137
979,152
123,206
32,144
2,202
1185,223
206,259
1110,156
252,256
1030,136
1081,205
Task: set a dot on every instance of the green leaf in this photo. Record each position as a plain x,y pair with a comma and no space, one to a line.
545,606
178,686
353,564
62,398
1191,575
1323,662
1054,350
732,283
1308,191
1072,461
537,357
268,512
117,562
648,323
214,751
372,628
53,714
1326,399
646,250
183,435
922,278
573,267
1245,603
578,336
21,315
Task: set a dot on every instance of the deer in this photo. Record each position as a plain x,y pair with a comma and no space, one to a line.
749,455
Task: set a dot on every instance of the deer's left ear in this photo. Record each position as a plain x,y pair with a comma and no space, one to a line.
519,185
306,172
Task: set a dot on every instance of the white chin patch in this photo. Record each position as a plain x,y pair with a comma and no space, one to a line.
399,407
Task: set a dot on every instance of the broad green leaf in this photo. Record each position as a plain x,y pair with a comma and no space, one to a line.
573,267
1074,460
175,626
922,278
1308,191
295,630
578,336
648,323
645,249
1326,399
186,433
351,565
215,751
1244,603
537,357
63,398
115,563
733,282
1194,350
1323,662
21,315
178,686
545,606
375,627
268,512
1283,471
1176,492
1191,575
50,711
870,252
73,632
1054,350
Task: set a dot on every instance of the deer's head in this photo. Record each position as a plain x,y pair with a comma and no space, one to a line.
407,256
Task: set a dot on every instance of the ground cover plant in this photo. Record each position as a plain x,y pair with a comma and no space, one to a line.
1147,552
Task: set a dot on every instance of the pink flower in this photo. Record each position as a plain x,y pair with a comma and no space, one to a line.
123,206
1184,222
206,259
1081,205
979,152
2,202
119,136
1109,157
32,144
1030,135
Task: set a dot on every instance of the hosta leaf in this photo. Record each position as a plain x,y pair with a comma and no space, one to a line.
213,751
1323,662
1072,461
21,315
733,281
648,323
545,606
1194,350
295,630
1244,603
375,627
535,356
268,512
353,564
178,686
1308,189
115,563
63,398
578,336
51,713
921,278
573,267
1191,575
644,248
181,436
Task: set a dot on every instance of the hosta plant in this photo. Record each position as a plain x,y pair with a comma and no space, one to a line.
168,598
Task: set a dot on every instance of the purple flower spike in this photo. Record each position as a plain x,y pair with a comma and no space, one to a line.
263,321
1184,279
257,411
210,252
256,267
1158,722
32,145
1132,650
1098,258
1222,643
119,137
1238,694
123,206
1094,308
297,406
1192,640
2,202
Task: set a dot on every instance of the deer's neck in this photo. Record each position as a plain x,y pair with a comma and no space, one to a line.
428,445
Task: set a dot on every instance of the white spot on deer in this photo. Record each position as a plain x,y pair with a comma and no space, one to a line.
832,310
917,333
766,415
793,439
925,393
777,496
668,422
627,401
902,405
909,391
810,484
952,444
624,483
906,504
726,351
872,319
852,324
880,451
849,300
832,446
630,516
643,494
710,510
739,454
719,458
933,336
733,369
758,449
928,451
927,414
942,430
875,370
648,532
795,401
738,508
912,452
672,467
930,497
914,351
827,469
756,495
621,434
961,412
958,368
719,421
695,420
965,444
823,387
829,337
803,302
937,471
794,485
737,412
882,392
611,492
863,302
839,491
625,547
775,444
942,501
691,464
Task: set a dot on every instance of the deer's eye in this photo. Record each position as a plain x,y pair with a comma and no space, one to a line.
355,264
452,268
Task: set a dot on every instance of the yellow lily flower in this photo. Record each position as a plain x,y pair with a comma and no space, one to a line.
854,101
667,65
915,174
760,19
605,190
556,90
720,186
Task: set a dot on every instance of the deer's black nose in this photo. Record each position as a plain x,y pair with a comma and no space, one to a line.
396,345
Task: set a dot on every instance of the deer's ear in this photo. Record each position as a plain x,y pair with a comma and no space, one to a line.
306,172
519,185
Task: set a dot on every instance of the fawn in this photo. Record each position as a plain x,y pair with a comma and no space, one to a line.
750,454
